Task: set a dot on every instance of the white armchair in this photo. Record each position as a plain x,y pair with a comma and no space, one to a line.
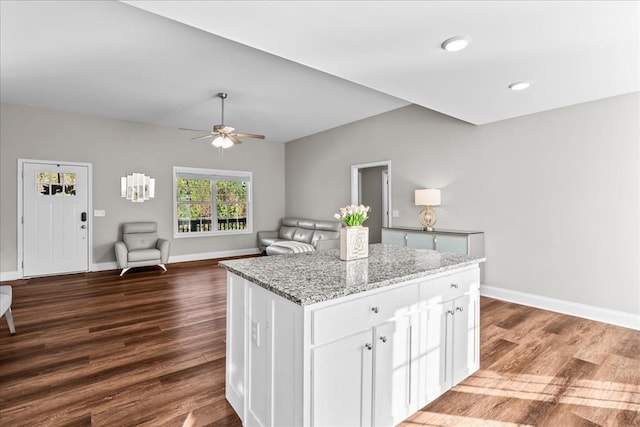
140,246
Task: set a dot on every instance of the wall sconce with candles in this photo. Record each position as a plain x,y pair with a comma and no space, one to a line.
137,187
427,197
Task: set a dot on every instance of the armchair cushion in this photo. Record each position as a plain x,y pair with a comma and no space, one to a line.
144,255
136,241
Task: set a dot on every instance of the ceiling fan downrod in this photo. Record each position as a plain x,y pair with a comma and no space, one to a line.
222,96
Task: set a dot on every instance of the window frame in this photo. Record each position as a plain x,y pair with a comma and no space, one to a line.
212,174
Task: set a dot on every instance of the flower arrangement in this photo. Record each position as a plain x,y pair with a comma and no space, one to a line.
352,215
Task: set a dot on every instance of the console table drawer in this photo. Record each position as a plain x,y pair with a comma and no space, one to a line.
344,319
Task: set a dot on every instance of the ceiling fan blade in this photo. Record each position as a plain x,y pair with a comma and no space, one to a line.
195,130
249,135
202,137
234,139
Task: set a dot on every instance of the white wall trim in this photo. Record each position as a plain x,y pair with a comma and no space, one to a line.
185,258
103,266
614,317
10,275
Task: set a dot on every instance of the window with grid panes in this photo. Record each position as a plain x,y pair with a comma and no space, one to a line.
211,202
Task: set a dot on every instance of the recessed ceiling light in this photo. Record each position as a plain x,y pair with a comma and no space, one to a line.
455,44
519,85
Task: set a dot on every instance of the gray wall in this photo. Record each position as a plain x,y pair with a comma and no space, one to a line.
557,193
116,148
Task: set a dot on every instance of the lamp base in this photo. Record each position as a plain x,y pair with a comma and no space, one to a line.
427,218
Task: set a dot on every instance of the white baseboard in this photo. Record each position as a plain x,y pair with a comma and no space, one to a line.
102,266
9,275
213,255
614,317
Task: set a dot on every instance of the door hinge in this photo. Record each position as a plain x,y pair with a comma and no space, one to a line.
22,220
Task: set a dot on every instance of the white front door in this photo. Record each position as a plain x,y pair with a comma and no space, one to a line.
55,219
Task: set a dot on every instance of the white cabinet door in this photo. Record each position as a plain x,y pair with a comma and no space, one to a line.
465,336
395,381
341,379
432,353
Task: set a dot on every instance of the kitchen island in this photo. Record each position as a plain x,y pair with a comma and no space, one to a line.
316,341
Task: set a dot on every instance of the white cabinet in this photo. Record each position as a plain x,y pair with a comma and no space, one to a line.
342,382
366,378
449,346
369,359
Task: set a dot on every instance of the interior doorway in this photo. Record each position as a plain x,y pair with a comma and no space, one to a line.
371,186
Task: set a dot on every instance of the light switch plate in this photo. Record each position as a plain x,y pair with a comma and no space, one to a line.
99,212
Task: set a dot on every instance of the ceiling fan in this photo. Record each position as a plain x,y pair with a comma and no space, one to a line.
225,136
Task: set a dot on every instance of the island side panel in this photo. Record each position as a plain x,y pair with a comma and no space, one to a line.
264,355
236,339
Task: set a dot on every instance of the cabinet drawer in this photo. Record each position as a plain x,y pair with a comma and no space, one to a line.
449,287
332,322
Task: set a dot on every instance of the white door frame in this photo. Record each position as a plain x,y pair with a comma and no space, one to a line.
20,205
355,184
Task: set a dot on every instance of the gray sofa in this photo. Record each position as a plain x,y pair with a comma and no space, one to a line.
297,235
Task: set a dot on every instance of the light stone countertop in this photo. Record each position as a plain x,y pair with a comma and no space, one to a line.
314,277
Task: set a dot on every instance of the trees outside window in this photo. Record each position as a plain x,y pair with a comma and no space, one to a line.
211,202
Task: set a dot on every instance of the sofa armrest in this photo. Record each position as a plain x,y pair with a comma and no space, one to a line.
121,254
163,245
266,235
324,244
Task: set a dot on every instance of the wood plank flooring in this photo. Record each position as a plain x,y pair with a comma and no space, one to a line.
148,349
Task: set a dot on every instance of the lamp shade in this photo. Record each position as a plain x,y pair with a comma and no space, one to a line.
427,197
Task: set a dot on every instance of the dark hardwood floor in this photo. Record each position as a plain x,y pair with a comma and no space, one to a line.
149,349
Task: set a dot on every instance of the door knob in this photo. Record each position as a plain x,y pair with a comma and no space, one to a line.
83,226
368,346
383,339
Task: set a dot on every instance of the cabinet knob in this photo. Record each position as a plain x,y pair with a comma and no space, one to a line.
451,312
368,346
375,309
459,308
454,285
383,339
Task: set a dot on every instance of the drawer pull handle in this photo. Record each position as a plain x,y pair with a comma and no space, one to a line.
460,308
454,285
375,309
368,346
383,339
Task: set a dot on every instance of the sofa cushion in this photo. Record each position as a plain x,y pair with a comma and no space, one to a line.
303,235
144,255
137,241
286,232
290,222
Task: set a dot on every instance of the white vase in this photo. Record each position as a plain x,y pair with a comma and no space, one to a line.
354,243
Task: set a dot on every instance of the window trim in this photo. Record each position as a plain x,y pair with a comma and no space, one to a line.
212,174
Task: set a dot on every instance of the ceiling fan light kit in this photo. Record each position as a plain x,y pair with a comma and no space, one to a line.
225,136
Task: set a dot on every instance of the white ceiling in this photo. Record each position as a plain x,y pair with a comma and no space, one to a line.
293,68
